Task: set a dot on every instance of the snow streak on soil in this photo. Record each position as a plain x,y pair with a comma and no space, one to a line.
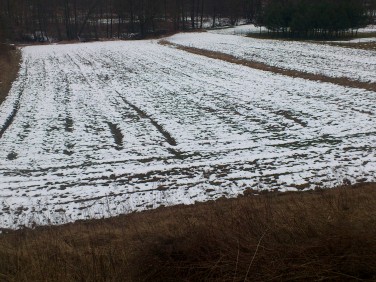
321,59
99,129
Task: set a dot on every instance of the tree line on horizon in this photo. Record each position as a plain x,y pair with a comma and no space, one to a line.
25,20
319,18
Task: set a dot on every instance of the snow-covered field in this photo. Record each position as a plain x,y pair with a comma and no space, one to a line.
367,29
322,59
242,30
247,29
92,130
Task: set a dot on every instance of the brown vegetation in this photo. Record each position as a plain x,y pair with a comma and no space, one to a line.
343,81
317,235
362,45
9,65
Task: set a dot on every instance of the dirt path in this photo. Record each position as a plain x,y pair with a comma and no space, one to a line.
342,81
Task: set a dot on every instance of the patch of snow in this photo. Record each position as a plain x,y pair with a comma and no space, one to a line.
243,30
367,29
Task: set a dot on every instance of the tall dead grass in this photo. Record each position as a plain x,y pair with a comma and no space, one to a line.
319,235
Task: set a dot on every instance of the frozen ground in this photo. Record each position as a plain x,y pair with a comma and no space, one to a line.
322,59
93,130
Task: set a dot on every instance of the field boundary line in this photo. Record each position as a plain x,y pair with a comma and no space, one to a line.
16,106
342,81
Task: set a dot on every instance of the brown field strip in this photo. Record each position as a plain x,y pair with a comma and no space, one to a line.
342,81
362,45
9,66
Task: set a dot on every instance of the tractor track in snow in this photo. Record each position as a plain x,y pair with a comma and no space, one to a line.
169,139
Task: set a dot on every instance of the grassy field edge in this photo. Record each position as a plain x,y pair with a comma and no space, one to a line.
327,234
10,59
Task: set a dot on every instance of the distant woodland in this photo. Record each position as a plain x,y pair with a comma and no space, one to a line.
56,20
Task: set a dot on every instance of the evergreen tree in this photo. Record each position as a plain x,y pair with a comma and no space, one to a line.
304,18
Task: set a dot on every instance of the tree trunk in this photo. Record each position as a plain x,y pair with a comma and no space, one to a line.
88,16
75,18
67,20
202,13
193,14
132,15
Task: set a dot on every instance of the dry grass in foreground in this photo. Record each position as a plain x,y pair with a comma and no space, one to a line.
325,235
9,66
